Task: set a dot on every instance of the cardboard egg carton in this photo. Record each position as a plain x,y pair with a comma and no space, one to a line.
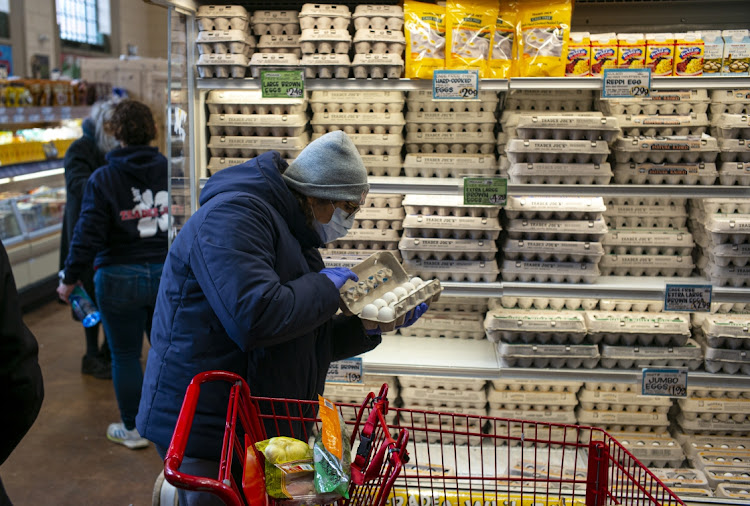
343,258
685,479
528,401
248,147
550,151
734,150
671,149
357,101
731,126
692,444
690,173
450,142
419,121
707,206
560,173
528,326
555,303
375,144
368,41
606,386
629,357
510,119
461,304
378,17
222,65
727,228
651,125
356,393
374,239
736,491
630,402
727,331
261,61
552,251
324,17
276,24
382,165
317,41
719,392
648,242
567,127
556,208
451,227
438,382
421,100
382,218
646,265
534,385
222,17
325,66
545,416
358,122
450,249
630,305
251,102
555,356
661,450
380,274
383,200
225,42
726,360
276,125
730,102
474,271
216,163
452,325
549,100
556,230
673,102
447,206
442,165
549,272
645,216
630,422
377,66
717,475
722,410
280,44
629,328
641,201
712,427
439,398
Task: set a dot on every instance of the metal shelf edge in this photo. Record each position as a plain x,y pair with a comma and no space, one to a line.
345,84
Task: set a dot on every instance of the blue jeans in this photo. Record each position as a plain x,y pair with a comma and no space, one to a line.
126,296
196,467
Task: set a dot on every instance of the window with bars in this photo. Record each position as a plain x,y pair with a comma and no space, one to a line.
84,23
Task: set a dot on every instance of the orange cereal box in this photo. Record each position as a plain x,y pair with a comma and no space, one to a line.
660,53
688,54
579,55
603,52
631,50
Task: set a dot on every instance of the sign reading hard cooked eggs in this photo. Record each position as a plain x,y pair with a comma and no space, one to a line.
626,83
455,84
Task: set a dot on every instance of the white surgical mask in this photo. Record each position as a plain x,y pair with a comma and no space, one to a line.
336,228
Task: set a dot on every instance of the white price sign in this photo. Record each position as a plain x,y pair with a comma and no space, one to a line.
694,298
455,84
626,83
665,382
345,371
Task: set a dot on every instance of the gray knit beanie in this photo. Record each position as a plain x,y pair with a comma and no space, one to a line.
329,168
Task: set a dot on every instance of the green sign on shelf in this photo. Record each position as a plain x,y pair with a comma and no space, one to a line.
282,83
485,191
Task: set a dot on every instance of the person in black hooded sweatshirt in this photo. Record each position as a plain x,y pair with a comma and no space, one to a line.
123,230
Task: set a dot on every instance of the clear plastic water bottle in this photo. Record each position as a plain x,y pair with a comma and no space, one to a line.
83,307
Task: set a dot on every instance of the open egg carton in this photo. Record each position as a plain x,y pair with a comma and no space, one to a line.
378,17
443,165
358,122
636,357
261,61
658,125
226,42
280,44
473,271
276,125
684,482
727,475
631,328
668,149
324,17
422,101
624,421
690,173
646,212
385,293
730,102
529,326
663,103
736,491
554,303
278,24
556,356
447,324
251,102
248,147
556,230
663,452
550,100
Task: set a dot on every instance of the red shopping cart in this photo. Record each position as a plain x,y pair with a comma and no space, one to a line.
468,459
377,458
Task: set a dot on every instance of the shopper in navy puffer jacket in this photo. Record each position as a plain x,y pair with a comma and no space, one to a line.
244,289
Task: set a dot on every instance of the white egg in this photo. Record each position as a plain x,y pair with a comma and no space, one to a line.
369,312
389,297
400,292
379,303
416,281
408,287
386,314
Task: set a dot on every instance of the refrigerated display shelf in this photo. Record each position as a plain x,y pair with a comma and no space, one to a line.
25,115
22,169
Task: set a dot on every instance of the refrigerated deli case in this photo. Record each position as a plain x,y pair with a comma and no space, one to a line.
553,306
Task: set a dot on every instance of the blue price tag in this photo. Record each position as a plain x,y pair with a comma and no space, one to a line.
665,382
626,83
693,298
345,371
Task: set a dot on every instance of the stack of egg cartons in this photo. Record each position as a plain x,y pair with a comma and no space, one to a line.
278,39
356,393
540,338
538,400
730,123
325,40
377,226
633,340
726,341
678,115
648,236
452,318
555,239
685,482
374,121
224,41
724,479
458,396
445,239
378,41
722,230
243,125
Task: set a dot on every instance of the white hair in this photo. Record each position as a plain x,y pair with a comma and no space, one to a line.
101,112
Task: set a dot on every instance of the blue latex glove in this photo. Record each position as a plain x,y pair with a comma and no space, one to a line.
408,321
339,275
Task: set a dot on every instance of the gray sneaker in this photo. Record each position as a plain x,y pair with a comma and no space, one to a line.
117,433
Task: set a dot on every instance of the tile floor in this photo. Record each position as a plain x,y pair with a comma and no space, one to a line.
66,459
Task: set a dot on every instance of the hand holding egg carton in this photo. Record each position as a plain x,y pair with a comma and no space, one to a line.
384,294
